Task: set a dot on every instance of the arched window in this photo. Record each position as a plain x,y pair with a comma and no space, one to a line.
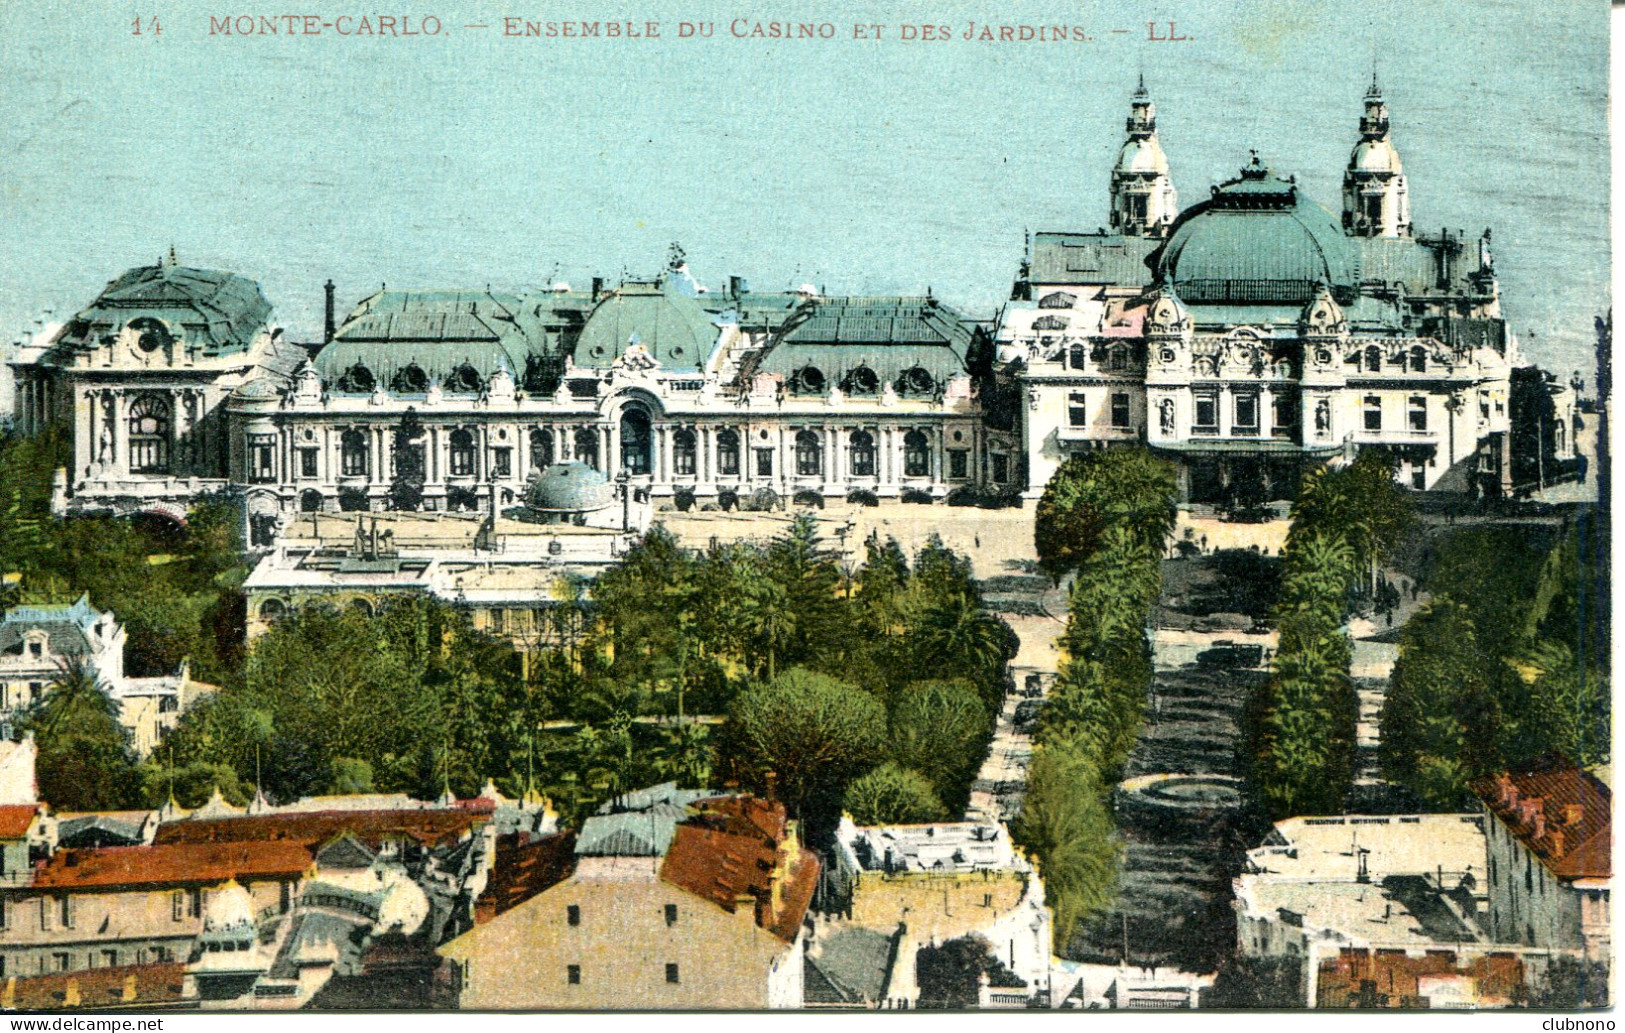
273,610
1078,356
462,453
1373,359
728,453
1419,359
409,380
465,379
149,435
636,457
587,446
863,454
358,379
916,455
310,501
809,454
541,448
353,453
862,381
683,453
1118,361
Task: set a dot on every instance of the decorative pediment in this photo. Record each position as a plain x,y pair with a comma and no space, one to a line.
1057,299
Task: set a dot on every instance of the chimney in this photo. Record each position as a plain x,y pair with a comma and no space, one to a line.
597,287
736,286
1573,813
1557,842
329,325
1536,817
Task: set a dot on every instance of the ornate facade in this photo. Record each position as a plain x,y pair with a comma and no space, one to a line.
1251,334
1263,334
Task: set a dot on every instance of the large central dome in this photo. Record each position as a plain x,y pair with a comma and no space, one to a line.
1257,241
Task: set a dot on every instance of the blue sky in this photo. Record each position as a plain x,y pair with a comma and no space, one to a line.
470,159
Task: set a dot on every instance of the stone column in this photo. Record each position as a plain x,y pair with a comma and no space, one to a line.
86,429
662,466
1225,401
1266,413
121,434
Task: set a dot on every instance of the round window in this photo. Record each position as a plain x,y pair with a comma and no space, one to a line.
1167,355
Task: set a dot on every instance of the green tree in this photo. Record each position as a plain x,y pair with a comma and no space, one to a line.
941,728
1126,487
1066,824
84,760
891,795
406,487
809,734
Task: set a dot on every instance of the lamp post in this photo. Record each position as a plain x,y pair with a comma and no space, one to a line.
623,482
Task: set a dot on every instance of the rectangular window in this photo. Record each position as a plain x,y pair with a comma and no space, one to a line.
764,462
1284,414
1207,413
36,689
1373,412
194,903
572,974
572,914
1001,468
502,462
671,914
45,915
65,910
262,458
499,620
1246,412
109,959
728,458
1077,409
177,905
671,972
63,961
958,463
307,462
1120,416
1419,413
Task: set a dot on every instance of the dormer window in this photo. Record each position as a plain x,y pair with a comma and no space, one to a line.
358,379
464,378
916,381
862,381
809,380
409,380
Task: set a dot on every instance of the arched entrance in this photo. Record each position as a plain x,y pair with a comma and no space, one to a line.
637,440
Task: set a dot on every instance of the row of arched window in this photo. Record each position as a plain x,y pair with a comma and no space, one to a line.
355,451
1415,360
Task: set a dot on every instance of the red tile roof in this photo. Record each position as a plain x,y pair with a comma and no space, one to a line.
429,827
1358,978
143,867
1561,813
127,986
16,819
520,870
733,853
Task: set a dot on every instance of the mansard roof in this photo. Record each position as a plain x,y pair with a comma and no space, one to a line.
1090,258
67,626
218,311
439,331
891,336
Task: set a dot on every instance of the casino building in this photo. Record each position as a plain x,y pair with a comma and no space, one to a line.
1245,337
1256,332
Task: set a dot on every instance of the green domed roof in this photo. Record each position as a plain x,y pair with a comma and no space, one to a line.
675,328
569,486
1258,240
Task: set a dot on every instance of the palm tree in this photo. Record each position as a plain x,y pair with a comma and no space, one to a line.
74,698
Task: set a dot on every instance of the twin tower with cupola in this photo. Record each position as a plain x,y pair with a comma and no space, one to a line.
1376,201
